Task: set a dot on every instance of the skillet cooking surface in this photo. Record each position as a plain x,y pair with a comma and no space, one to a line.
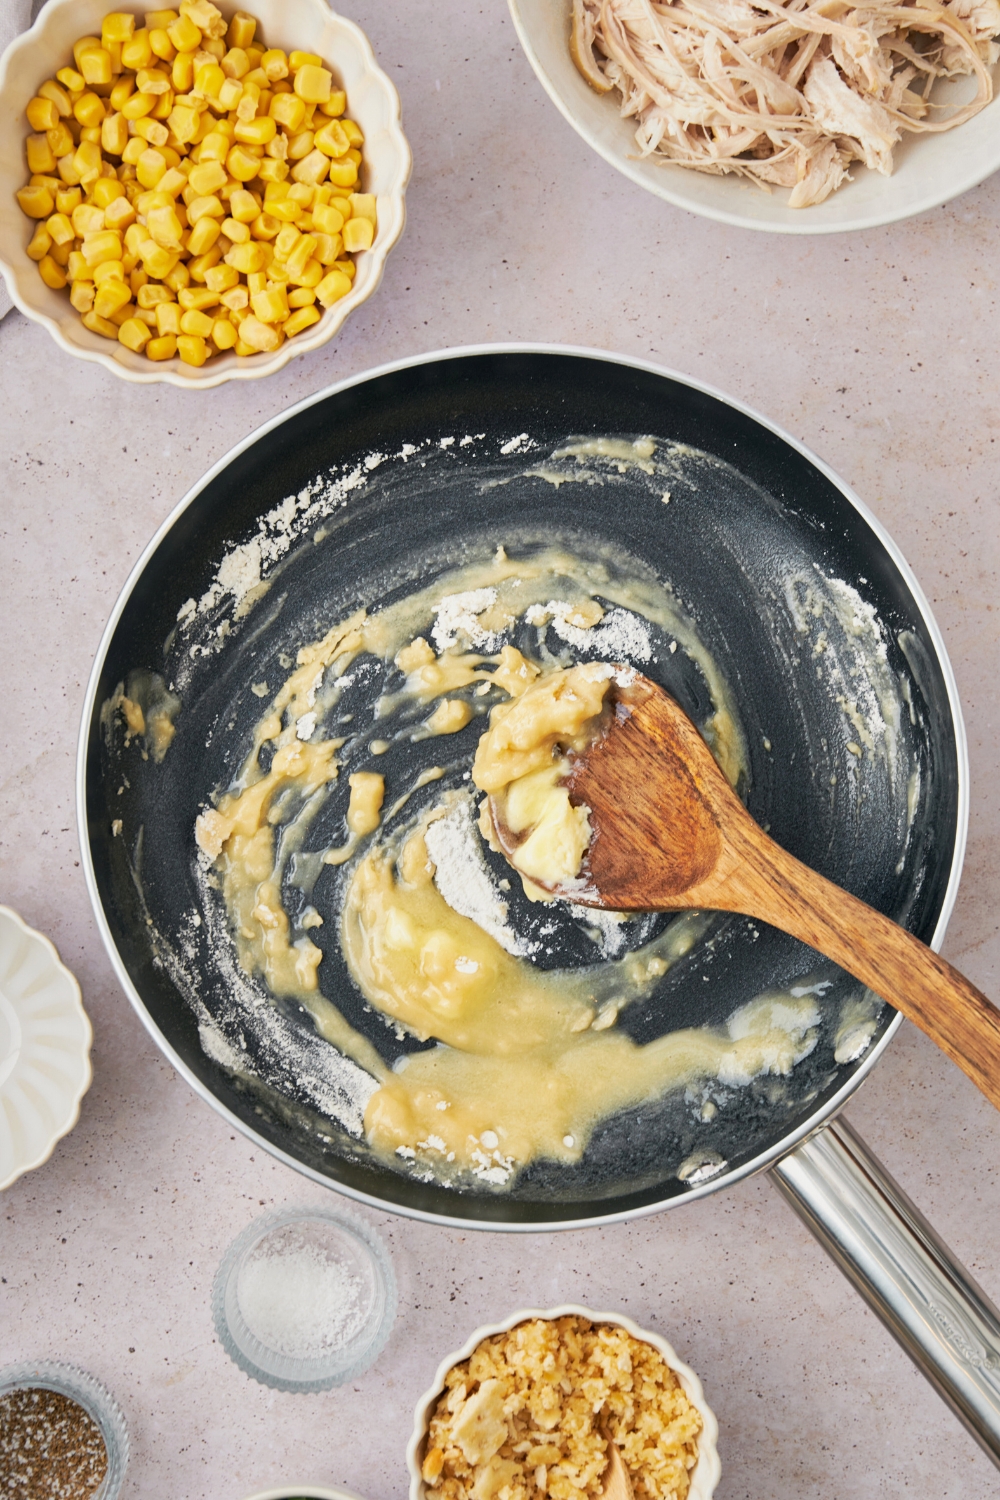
747,516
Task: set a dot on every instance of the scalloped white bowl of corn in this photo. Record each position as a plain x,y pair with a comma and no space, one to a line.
196,194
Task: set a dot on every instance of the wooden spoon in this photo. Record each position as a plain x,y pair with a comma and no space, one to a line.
617,1484
669,833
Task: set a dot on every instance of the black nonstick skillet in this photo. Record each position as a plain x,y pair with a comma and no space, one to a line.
370,489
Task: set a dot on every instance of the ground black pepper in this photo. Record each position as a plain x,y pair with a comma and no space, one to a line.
50,1448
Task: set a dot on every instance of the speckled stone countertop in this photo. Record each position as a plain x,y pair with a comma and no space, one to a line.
878,350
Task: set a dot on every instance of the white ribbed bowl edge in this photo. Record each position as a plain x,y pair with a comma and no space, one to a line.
706,1472
310,25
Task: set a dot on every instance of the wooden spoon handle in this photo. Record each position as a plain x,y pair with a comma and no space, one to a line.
892,962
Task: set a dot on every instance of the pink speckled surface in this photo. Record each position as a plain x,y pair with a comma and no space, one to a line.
878,351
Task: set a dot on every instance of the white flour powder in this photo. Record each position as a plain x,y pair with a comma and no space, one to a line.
463,878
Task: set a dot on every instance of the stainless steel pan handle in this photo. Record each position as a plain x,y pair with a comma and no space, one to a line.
906,1274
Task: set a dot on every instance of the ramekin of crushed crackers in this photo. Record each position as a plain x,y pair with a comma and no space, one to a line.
529,1408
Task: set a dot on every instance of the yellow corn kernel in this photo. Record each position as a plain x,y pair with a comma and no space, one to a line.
182,72
137,52
97,324
95,65
134,334
335,105
40,243
192,350
71,80
202,264
235,64
313,84
68,198
178,278
347,266
102,246
329,248
265,227
68,171
150,167
230,93
137,106
184,122
197,298
60,232
288,111
254,132
300,254
42,113
110,297
137,278
358,235
151,294
39,154
302,296
333,286
208,80
223,334
164,18
165,227
168,318
284,210
162,348
256,282
327,219
157,259
300,145
275,64
221,278
242,164
353,132
332,139
160,44
343,172
246,109
215,147
106,190
91,133
77,268
133,150
246,258
236,298
173,180
236,232
197,323
114,135
184,34
276,192
299,320
298,59
243,349
310,276
61,254
314,167
152,81
270,306
286,241
123,90
52,273
203,236
119,215
153,132
273,171
209,206
363,207
117,26
109,270
262,337
207,177
58,96
60,139
302,193
81,296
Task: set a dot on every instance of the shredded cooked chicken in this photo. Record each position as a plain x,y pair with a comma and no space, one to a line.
786,92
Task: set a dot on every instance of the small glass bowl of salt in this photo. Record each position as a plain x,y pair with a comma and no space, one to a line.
305,1298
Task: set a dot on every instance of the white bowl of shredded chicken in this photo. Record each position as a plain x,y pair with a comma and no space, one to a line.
529,1408
796,116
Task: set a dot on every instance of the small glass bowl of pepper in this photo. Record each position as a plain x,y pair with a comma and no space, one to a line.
66,1428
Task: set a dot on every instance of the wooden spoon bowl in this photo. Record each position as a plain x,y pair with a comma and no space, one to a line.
669,833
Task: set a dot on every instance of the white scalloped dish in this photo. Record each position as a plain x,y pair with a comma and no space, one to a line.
45,1039
309,25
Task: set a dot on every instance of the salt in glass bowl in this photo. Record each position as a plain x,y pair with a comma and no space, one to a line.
248,1290
96,1400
